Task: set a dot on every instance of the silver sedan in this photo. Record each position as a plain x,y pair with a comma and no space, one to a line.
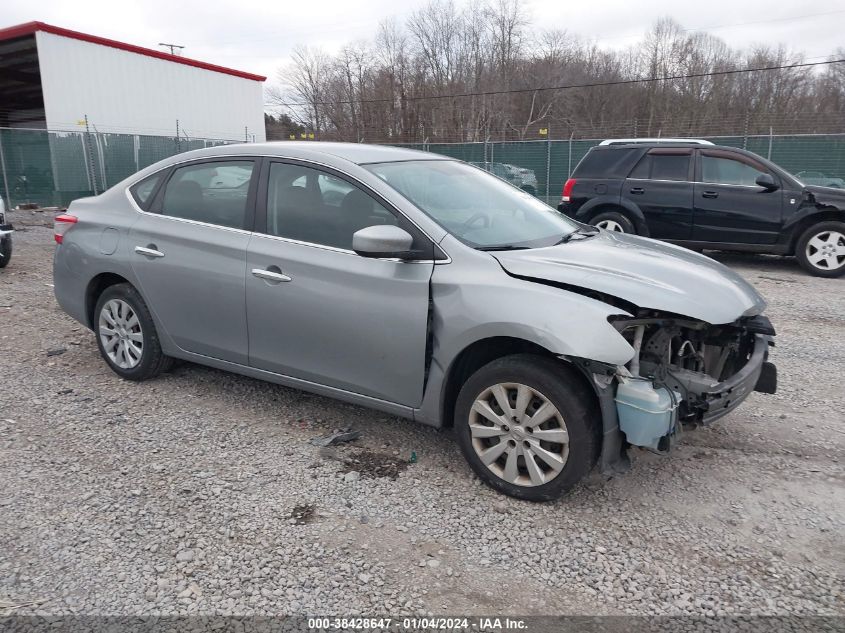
419,286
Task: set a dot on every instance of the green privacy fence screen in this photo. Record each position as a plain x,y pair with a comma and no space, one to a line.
52,168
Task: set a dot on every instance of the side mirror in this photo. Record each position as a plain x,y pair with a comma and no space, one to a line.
767,182
383,240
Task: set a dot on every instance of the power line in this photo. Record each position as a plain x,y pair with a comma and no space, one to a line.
618,82
796,17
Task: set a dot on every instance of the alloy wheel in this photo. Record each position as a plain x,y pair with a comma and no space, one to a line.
519,434
826,250
611,225
121,334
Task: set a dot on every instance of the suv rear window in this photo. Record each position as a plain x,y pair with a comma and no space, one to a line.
607,162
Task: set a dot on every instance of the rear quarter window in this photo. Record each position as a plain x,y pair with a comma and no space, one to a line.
143,191
607,162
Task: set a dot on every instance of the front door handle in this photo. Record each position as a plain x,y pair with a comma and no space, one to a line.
273,273
709,194
149,251
637,191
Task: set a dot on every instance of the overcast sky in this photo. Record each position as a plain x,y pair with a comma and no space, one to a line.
257,36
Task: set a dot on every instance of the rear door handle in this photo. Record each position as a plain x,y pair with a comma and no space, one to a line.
709,194
638,191
272,273
149,251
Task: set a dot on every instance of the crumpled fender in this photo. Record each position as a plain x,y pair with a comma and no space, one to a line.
481,301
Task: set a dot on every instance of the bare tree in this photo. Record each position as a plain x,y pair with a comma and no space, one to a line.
472,73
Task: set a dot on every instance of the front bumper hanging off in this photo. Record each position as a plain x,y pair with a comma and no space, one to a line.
758,374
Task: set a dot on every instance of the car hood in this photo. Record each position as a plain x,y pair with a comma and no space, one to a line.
645,272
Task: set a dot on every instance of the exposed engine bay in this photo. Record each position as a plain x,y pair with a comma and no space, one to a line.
688,371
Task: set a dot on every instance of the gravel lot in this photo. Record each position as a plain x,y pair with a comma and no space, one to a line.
200,493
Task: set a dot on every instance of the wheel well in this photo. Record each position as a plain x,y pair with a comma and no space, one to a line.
96,287
827,215
475,357
642,229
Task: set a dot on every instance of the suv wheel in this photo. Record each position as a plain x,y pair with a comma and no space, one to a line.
5,251
613,221
821,249
525,424
126,334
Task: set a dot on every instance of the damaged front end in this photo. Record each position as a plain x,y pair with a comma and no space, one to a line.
686,371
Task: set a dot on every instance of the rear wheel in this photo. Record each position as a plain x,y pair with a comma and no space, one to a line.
5,251
614,221
525,424
126,334
821,249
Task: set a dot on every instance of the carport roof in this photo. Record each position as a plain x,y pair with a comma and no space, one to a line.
30,28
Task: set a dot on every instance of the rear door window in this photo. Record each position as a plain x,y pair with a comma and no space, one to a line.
663,165
215,193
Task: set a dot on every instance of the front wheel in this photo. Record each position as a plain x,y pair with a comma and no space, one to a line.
5,251
821,249
614,221
126,334
527,426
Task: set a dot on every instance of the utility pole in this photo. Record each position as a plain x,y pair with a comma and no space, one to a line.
172,48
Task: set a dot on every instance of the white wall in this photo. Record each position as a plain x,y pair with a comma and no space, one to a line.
129,93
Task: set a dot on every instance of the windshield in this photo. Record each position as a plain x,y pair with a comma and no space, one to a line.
477,208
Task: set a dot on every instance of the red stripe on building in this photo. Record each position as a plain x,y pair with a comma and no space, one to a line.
30,28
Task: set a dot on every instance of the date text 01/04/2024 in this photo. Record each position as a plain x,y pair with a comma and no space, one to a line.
416,624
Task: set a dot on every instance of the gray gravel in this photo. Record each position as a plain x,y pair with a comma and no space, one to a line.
199,492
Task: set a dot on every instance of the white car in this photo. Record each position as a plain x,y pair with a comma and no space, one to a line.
5,236
820,179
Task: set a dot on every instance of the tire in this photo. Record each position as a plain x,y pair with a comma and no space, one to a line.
548,382
5,251
134,351
614,221
821,249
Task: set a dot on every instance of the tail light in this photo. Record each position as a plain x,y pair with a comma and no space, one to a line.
61,225
567,189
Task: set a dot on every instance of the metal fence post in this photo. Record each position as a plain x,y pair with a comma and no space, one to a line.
569,166
5,177
548,161
86,161
770,143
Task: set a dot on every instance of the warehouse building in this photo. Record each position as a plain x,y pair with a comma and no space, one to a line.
110,107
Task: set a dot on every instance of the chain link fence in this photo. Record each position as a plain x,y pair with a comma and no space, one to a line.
542,167
50,168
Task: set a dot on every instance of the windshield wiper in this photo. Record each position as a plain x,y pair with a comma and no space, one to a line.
579,233
502,247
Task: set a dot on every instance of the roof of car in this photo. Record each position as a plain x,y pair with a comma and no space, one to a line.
358,153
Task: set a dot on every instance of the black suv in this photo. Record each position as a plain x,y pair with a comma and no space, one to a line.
701,195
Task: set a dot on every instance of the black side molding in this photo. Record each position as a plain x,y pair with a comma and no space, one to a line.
759,325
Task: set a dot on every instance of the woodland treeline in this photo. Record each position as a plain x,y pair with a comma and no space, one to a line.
398,86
